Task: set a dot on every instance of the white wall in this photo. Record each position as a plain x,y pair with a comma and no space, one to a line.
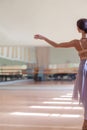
56,19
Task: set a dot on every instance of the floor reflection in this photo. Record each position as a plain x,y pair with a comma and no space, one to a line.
46,108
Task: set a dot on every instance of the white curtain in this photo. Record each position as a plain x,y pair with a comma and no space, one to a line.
42,57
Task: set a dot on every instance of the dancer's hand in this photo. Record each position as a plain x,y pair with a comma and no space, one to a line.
38,36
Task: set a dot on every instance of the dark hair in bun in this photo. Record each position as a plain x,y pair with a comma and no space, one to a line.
82,24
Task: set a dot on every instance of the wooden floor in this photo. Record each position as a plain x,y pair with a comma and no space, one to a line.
25,105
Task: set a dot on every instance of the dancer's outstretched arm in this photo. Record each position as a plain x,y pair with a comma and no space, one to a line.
64,44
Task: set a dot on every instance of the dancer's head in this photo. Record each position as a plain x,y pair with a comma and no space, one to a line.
82,24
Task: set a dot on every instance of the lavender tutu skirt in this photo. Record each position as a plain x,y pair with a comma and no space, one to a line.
80,88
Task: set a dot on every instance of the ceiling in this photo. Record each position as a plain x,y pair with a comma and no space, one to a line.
56,19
